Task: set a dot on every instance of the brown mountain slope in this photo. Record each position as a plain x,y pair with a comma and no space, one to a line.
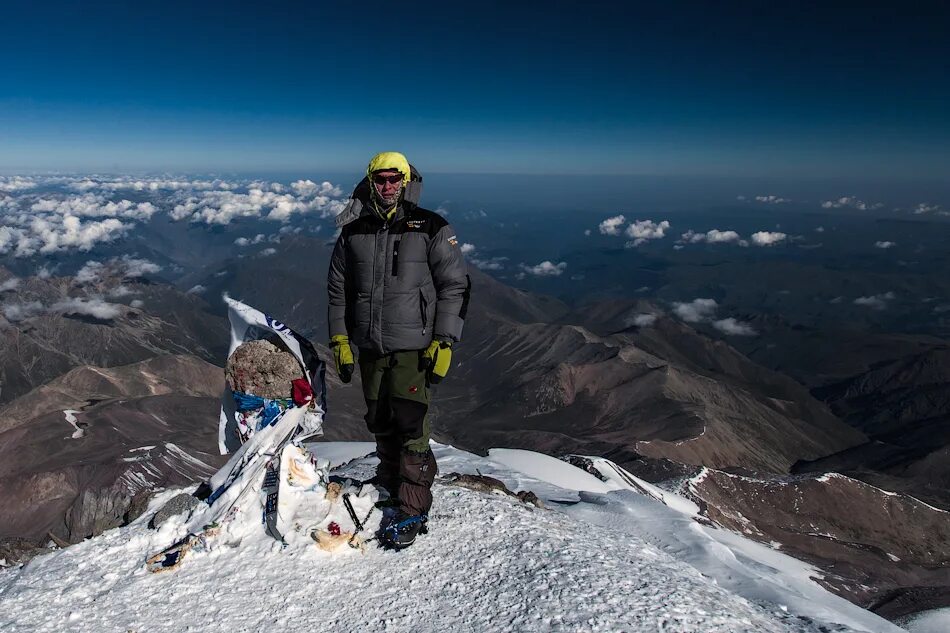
872,544
560,388
39,342
135,428
85,385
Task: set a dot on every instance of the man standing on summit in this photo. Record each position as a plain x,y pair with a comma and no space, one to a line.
398,292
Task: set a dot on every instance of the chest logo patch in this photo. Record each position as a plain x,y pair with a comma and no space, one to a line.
414,224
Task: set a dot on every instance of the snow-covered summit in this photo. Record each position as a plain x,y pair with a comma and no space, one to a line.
602,557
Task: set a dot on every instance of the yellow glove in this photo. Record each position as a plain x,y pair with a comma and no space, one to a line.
437,358
343,356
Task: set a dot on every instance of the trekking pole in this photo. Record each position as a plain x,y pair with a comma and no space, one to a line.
355,519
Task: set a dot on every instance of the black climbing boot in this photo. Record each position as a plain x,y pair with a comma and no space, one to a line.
402,532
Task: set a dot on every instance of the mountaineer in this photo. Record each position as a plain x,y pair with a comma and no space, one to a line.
398,292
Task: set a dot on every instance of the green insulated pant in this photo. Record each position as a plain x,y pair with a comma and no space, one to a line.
397,400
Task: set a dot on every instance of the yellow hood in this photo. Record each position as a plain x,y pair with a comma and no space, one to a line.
389,160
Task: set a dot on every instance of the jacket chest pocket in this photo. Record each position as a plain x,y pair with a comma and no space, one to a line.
395,265
423,309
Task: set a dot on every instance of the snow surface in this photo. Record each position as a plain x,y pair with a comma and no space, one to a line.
612,560
748,568
339,453
934,621
71,418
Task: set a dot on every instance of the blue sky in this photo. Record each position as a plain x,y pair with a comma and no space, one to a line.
545,87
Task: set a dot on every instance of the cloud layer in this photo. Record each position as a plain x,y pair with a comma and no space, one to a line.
545,269
643,231
41,216
850,202
768,238
704,311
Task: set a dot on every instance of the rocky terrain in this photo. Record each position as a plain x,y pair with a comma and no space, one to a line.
875,547
903,405
76,452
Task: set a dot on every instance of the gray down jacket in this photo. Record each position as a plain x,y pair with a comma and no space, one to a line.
396,285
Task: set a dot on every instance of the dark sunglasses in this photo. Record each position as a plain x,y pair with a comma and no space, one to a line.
380,179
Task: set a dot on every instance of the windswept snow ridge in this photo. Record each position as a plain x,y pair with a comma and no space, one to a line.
489,563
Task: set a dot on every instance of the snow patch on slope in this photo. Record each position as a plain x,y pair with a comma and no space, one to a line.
71,418
934,621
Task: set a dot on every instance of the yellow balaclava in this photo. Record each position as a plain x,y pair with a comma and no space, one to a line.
385,161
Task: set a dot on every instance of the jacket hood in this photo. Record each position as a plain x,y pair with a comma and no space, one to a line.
359,199
390,161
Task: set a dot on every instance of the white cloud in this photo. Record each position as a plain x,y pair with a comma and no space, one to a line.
147,184
22,311
89,272
134,267
611,226
877,302
136,303
94,307
468,248
734,328
9,284
820,229
267,252
222,207
197,289
43,272
587,232
49,225
696,310
850,201
741,198
50,235
767,238
643,230
771,199
648,229
310,188
714,236
885,244
244,241
926,207
51,221
120,291
494,263
90,205
16,183
125,266
545,269
642,319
